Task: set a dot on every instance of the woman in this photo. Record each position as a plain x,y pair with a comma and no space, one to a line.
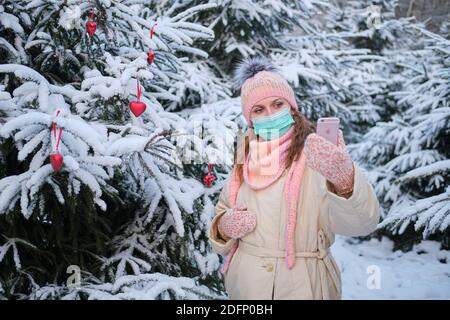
286,198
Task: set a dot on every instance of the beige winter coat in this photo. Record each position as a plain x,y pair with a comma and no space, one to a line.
258,269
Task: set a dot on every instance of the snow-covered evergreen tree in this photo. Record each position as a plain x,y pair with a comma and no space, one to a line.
409,153
253,27
120,208
406,150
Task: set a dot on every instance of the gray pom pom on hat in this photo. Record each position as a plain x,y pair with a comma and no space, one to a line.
249,67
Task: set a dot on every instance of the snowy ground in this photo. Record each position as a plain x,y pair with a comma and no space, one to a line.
371,270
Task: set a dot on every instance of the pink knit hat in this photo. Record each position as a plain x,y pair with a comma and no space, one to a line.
257,78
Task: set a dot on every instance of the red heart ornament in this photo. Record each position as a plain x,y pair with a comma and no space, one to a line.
56,159
150,56
208,180
91,26
137,107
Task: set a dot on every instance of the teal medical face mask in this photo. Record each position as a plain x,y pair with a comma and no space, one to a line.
273,126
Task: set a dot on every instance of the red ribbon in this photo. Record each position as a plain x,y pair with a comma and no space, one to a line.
209,168
138,85
54,132
92,12
151,30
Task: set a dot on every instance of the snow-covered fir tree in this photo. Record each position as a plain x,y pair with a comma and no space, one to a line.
407,149
120,209
408,153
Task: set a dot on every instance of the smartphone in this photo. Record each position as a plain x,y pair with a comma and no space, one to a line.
328,127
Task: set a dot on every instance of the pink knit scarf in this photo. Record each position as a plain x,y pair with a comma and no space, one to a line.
266,160
264,164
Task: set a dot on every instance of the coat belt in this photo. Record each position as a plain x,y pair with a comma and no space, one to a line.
276,253
327,264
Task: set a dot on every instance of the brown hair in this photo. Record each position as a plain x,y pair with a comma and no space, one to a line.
302,128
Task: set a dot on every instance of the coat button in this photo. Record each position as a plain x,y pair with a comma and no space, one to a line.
269,267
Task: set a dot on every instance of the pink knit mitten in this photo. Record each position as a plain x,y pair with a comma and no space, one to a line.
331,161
237,222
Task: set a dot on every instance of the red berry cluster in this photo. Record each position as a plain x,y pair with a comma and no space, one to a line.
208,180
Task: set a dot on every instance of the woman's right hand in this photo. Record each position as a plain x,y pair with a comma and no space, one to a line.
237,222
